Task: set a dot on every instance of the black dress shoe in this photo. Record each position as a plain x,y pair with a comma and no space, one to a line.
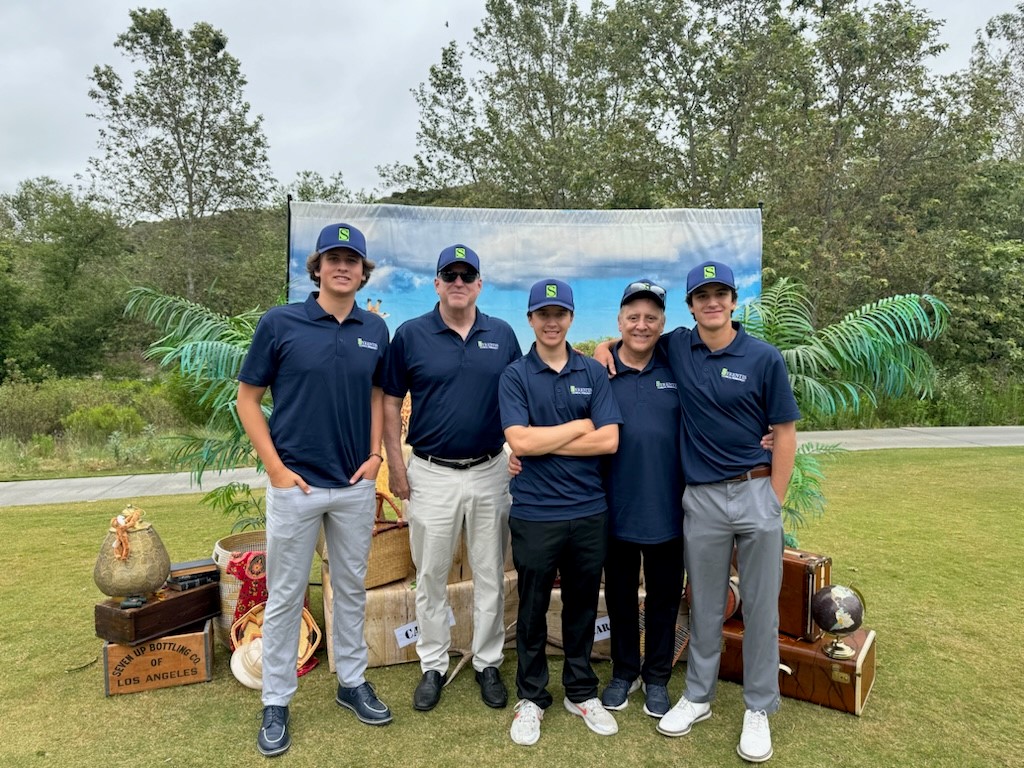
428,692
492,689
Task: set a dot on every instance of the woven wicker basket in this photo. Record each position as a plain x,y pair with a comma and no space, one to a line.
248,541
390,555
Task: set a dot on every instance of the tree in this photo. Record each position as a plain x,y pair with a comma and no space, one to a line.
180,143
65,258
549,122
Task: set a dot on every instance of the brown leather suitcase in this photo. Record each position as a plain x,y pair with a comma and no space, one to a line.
808,673
158,617
803,574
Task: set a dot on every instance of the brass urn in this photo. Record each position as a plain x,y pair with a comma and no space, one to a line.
133,560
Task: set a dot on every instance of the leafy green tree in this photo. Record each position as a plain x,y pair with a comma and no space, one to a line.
548,123
179,144
65,255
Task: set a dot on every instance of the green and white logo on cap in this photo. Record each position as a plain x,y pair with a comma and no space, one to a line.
343,234
709,272
551,291
460,253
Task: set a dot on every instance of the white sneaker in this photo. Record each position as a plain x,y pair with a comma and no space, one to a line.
756,740
526,723
597,718
679,719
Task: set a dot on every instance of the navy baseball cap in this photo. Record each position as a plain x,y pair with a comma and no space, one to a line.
551,293
458,254
341,236
644,289
709,272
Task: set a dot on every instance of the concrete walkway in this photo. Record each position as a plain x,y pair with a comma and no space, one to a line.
87,489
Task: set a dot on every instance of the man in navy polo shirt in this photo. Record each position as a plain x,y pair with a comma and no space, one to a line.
733,388
560,417
644,481
450,360
323,361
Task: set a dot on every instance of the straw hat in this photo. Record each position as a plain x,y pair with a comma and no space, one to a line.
247,663
249,626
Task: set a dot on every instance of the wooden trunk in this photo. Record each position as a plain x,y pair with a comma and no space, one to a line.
809,674
803,574
164,662
158,617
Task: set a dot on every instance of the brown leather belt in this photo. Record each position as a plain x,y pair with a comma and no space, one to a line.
762,471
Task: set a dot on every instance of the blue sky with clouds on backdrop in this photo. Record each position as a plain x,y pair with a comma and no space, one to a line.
332,81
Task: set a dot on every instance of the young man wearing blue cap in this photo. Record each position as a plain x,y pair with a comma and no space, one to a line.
323,361
644,482
733,388
559,417
450,360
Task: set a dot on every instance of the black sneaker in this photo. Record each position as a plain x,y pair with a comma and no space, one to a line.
364,702
273,738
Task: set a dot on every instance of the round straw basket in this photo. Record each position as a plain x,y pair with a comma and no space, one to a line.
248,541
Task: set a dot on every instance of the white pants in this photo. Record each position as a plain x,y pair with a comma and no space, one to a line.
293,525
442,502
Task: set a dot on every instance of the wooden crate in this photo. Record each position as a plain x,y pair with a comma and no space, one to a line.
170,612
164,662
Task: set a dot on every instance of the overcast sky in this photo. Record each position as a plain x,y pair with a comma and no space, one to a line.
331,79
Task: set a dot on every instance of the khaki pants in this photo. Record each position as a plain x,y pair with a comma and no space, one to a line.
442,503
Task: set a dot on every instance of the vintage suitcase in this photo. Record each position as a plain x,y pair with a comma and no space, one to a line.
131,626
171,660
803,574
809,674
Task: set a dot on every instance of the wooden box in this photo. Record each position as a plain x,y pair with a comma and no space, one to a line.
164,662
390,628
169,613
808,673
803,574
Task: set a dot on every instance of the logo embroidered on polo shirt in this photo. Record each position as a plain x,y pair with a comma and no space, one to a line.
366,344
487,345
727,374
574,390
665,384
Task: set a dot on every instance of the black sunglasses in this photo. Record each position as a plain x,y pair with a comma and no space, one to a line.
449,276
636,287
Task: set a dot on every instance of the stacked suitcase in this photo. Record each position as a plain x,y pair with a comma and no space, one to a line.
806,671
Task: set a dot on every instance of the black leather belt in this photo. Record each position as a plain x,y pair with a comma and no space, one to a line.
762,471
454,463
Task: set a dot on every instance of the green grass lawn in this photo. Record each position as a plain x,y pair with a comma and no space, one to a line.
931,538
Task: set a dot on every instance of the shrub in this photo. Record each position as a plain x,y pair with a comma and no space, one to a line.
96,424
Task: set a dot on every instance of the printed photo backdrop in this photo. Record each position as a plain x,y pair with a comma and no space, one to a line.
597,252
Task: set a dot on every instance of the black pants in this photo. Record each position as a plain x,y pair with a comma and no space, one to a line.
663,580
574,549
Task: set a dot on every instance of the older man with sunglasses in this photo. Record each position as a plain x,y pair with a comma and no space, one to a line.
450,360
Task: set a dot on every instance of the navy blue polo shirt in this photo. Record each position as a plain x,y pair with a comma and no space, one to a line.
554,487
453,382
644,478
320,373
729,398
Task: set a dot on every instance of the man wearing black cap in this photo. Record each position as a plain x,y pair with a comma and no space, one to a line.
559,417
450,360
644,482
323,361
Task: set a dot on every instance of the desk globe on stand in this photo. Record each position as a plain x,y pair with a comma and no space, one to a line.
839,611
